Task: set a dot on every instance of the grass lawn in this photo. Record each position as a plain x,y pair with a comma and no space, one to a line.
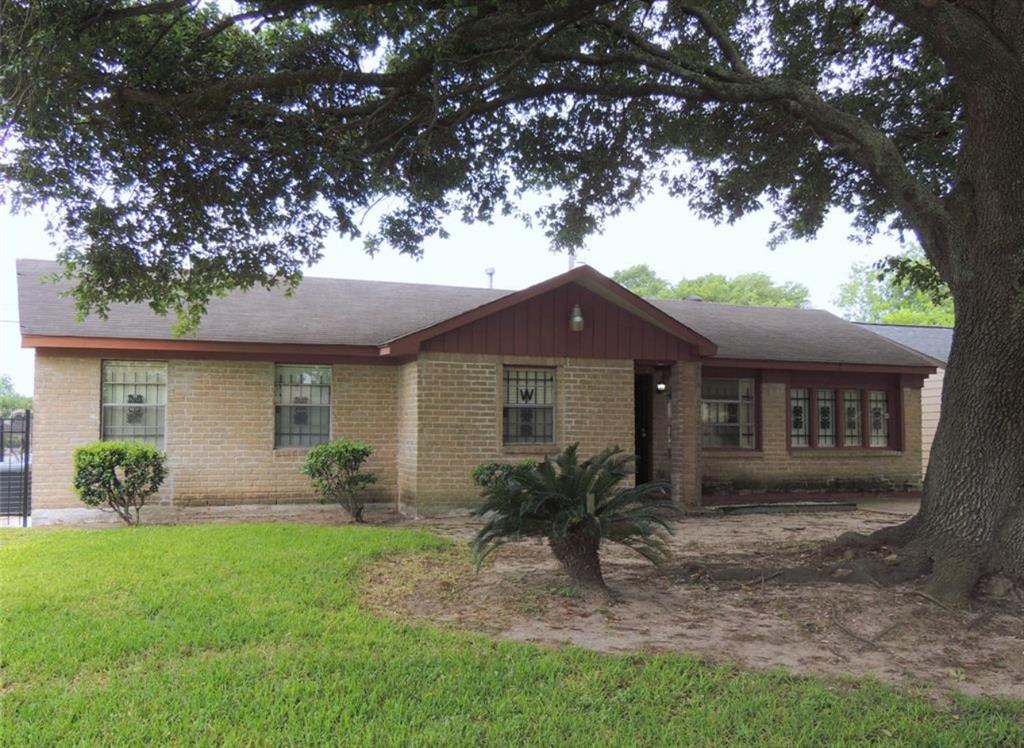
252,635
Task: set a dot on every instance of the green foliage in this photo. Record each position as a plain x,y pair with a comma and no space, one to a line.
489,474
256,635
119,476
747,289
564,495
188,152
905,297
336,470
10,400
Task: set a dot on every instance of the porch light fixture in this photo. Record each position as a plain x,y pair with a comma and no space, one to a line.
661,387
576,319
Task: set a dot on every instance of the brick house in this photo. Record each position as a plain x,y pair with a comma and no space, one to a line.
713,398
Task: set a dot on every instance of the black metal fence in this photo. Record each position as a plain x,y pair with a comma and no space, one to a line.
16,468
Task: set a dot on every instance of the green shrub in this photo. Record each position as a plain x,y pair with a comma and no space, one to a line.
488,474
575,504
119,476
336,470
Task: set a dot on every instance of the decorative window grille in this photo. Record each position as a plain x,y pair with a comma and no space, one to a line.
302,405
529,412
799,411
852,420
133,401
878,418
826,418
727,413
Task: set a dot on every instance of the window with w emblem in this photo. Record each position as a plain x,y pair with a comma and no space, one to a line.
529,413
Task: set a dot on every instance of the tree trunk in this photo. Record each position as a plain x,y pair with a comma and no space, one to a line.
972,511
578,554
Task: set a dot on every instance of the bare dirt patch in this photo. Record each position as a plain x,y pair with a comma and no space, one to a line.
828,629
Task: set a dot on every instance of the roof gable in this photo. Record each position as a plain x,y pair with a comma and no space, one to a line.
535,321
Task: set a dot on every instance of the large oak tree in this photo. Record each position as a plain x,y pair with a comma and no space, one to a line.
190,148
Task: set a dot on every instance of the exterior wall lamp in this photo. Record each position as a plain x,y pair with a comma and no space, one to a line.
576,319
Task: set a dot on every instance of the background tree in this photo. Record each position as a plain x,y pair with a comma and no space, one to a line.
871,295
748,289
10,400
196,147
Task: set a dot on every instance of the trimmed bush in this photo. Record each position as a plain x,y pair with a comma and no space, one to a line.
118,476
489,474
336,470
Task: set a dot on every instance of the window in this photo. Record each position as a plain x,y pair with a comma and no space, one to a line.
852,418
838,418
727,413
878,418
134,401
302,405
799,428
529,412
826,401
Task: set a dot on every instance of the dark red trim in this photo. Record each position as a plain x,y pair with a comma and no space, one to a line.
315,356
767,365
585,276
194,346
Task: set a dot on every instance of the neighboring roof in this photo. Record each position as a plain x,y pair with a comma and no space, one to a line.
798,335
931,341
327,311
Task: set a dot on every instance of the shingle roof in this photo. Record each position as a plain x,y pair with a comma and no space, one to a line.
800,335
931,341
322,311
331,311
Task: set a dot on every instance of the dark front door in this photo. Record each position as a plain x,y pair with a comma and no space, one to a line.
643,394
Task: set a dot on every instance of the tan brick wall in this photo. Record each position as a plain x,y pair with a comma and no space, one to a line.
219,432
66,414
460,410
408,380
776,467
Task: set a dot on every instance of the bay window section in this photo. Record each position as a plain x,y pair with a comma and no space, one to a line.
852,419
133,401
528,415
727,413
302,405
878,418
799,410
826,401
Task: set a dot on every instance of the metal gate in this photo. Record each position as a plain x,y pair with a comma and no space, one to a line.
16,469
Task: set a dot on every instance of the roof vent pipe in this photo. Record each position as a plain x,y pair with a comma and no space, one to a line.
694,298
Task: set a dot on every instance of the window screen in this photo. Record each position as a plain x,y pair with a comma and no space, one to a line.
302,405
727,413
134,401
529,412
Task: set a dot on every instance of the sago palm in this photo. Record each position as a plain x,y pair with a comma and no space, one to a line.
576,504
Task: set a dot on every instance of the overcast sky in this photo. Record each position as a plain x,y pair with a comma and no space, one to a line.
661,232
